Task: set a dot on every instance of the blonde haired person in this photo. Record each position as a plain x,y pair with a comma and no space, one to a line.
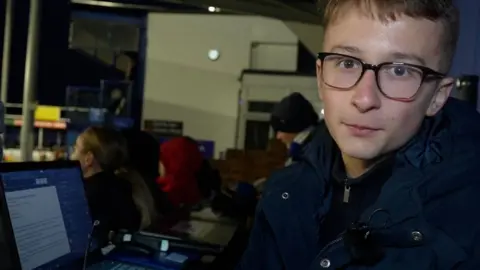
117,195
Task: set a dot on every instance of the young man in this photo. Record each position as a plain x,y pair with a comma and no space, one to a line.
390,181
293,120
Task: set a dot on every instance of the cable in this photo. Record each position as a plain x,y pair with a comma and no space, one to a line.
89,244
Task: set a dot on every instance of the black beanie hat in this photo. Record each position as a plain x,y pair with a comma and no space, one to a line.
293,114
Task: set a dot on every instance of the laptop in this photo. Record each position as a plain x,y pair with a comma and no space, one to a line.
44,218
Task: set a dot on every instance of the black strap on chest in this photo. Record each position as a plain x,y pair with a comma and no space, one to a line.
362,247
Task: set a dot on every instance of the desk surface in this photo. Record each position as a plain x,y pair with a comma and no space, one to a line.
206,231
207,214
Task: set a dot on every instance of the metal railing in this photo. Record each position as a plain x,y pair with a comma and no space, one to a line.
63,109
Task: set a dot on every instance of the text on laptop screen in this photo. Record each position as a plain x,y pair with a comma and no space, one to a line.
49,215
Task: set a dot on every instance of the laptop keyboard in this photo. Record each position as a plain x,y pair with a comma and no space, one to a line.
111,265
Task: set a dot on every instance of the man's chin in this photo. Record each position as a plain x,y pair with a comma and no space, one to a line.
363,152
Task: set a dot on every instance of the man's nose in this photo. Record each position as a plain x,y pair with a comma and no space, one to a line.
366,95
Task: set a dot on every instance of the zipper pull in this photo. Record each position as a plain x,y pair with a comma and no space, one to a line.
346,192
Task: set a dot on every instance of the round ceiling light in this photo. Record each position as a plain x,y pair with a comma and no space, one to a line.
213,55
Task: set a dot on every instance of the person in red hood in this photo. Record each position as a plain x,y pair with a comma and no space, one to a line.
180,160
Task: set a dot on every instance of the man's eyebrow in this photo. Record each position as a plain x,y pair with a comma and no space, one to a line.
394,56
349,49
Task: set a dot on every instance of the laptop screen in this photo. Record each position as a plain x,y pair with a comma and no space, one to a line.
49,216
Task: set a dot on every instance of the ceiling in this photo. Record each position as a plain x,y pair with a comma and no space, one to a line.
290,10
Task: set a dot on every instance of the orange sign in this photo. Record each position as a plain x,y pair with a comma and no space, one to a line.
43,124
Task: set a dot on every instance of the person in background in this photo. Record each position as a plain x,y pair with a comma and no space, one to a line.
116,194
60,153
293,120
144,156
208,178
180,161
390,178
43,156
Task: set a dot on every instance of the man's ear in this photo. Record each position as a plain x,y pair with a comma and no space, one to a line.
442,93
319,79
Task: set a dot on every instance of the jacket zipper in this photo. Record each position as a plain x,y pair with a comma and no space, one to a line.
330,244
346,191
327,246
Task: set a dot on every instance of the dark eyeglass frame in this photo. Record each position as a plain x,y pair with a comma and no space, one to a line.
427,73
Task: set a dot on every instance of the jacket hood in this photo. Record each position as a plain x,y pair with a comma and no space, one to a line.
182,160
180,154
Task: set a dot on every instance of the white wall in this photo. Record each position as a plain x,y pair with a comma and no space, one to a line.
311,35
182,84
274,87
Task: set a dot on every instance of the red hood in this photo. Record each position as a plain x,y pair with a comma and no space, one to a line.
181,159
180,154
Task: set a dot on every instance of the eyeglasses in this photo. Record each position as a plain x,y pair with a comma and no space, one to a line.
398,81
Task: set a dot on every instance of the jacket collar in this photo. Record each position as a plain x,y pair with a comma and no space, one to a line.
413,163
303,136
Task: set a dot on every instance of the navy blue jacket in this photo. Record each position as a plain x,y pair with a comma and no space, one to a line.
426,216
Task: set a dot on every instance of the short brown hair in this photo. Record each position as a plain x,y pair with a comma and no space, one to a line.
442,11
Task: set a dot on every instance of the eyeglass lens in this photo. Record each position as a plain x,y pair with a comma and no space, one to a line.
393,80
